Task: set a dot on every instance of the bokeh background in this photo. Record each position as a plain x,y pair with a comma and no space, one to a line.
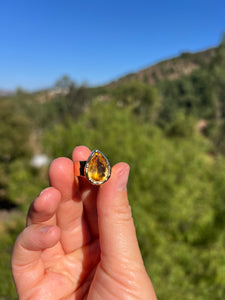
143,82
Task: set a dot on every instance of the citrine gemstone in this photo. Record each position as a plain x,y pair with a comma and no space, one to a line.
97,168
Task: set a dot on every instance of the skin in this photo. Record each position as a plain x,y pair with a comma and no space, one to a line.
80,240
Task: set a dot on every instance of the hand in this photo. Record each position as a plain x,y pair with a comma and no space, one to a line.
80,240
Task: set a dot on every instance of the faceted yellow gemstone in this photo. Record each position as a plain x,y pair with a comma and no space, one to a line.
97,168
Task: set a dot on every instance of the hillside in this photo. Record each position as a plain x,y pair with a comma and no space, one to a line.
148,119
169,69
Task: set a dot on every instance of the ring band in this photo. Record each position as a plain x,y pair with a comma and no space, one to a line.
96,168
79,168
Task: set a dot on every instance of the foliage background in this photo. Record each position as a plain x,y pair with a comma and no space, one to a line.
176,186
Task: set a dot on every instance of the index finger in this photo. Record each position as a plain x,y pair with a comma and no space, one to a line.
88,192
70,215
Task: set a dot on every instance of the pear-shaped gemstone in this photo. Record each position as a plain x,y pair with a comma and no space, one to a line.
97,168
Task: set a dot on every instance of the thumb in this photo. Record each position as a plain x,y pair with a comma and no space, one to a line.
117,234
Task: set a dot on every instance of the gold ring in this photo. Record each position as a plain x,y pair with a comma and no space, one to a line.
96,168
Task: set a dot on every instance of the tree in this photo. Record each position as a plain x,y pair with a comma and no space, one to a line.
142,98
14,136
64,82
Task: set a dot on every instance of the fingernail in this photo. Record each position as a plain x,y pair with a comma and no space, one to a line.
43,191
122,178
45,229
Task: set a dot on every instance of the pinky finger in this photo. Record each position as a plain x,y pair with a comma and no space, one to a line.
27,268
32,241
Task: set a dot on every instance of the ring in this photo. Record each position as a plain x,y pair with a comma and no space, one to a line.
96,168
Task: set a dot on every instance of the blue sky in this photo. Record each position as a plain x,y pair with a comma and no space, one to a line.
98,41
